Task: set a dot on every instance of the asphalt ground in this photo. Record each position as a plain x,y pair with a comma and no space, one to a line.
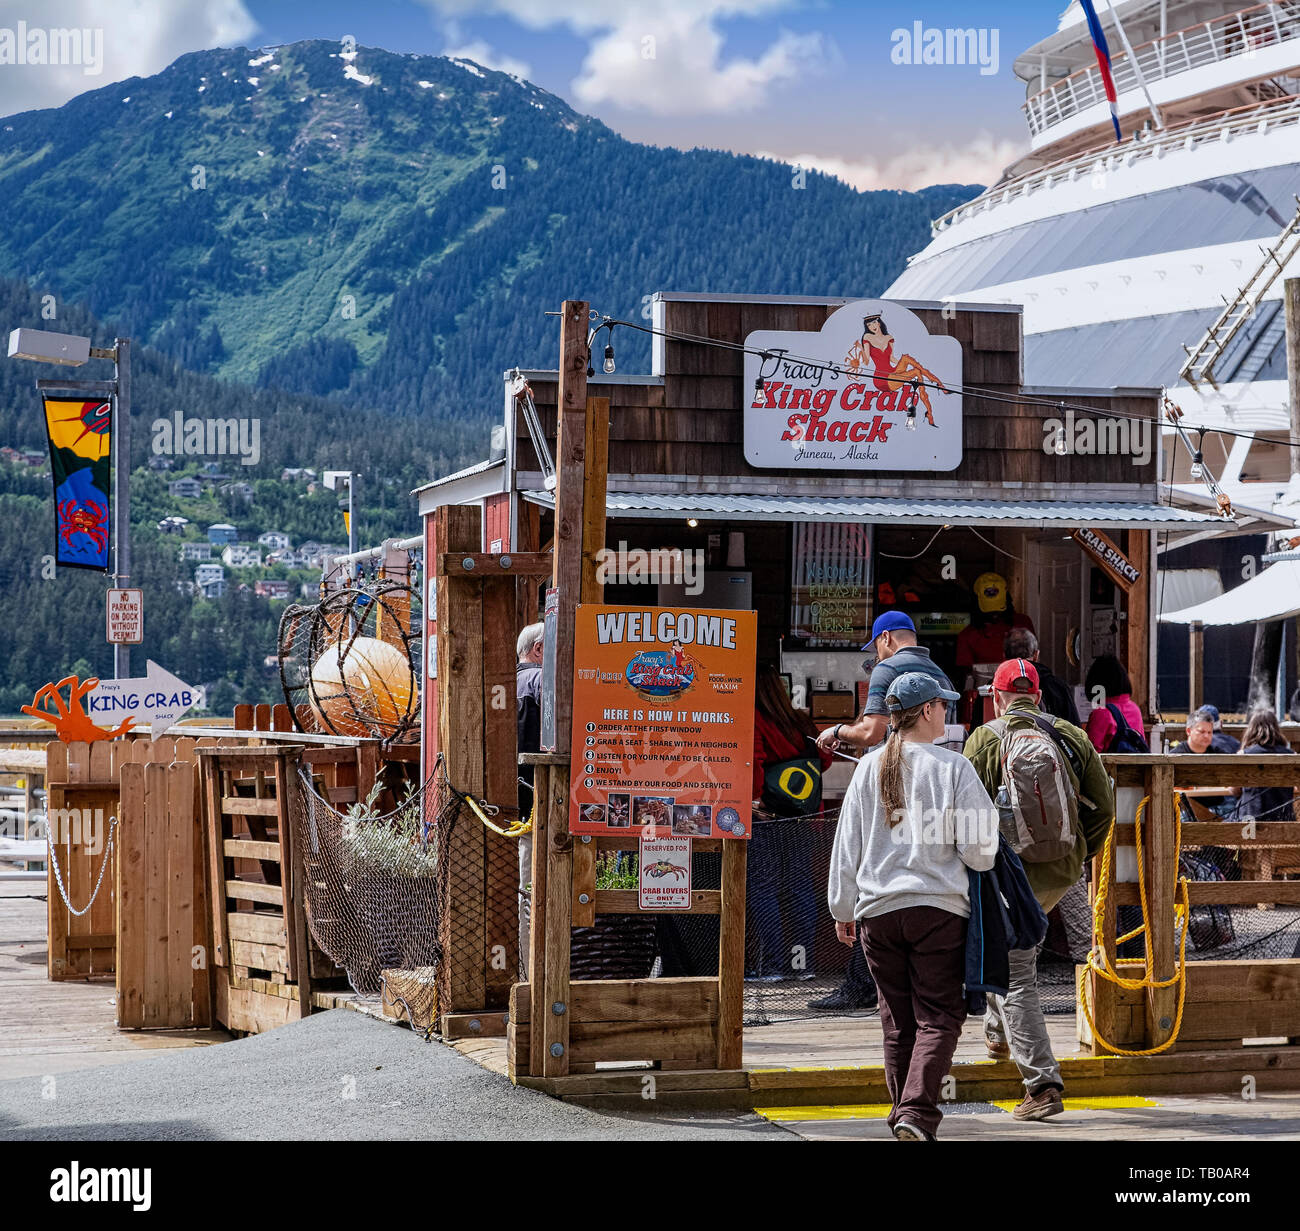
335,1076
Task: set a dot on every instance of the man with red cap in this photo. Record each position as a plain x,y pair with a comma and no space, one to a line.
1056,806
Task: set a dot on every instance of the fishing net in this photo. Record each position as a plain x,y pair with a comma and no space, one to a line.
349,664
374,890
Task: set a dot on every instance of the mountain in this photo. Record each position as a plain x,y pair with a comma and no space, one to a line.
347,250
391,229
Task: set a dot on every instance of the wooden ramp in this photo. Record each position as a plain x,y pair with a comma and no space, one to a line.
49,1026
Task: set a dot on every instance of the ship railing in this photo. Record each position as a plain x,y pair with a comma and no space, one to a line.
1247,120
1236,36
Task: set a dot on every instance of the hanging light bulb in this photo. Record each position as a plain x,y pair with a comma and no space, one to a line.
911,418
1198,470
609,357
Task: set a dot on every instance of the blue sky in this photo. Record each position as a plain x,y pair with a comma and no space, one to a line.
809,80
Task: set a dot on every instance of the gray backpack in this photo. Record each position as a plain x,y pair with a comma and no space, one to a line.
1038,812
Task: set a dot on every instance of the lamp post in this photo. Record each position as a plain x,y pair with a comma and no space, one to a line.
72,350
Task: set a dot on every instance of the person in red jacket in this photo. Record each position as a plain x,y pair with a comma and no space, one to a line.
781,850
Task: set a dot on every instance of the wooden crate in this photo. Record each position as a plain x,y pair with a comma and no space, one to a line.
260,930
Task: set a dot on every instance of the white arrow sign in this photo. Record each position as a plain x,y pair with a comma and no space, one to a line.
158,700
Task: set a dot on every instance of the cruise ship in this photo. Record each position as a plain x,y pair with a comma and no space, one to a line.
1159,259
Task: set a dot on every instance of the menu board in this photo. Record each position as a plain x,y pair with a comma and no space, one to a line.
663,721
830,583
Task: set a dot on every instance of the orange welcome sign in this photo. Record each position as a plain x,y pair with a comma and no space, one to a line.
663,721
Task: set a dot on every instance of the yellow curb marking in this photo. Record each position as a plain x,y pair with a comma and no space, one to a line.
845,1111
1102,1102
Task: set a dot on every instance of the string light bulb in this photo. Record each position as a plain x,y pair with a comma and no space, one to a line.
1198,458
609,357
911,418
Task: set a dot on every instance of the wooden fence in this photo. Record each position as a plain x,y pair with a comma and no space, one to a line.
1225,1002
163,950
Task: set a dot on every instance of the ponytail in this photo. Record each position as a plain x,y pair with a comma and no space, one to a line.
891,763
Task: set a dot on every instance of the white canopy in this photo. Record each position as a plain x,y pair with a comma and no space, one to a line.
1273,594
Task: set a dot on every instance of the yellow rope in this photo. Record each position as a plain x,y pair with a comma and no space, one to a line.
516,829
1182,914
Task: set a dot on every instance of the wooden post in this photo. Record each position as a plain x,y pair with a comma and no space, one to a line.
731,956
573,490
1160,855
1195,666
461,726
501,787
537,915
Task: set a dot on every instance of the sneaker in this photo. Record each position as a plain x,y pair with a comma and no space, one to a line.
1040,1104
844,1000
905,1130
998,1047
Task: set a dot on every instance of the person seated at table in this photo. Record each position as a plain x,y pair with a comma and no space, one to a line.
1221,741
1201,740
1264,803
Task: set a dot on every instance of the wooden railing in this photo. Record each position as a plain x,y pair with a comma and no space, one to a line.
1228,1001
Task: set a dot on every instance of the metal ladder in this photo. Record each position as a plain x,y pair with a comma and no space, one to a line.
1201,361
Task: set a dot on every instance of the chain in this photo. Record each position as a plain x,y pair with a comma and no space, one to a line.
58,876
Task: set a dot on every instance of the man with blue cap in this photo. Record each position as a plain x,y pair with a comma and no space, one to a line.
893,638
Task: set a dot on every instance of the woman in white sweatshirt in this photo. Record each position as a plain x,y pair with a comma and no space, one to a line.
914,819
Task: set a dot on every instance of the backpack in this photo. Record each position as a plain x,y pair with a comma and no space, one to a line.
1038,812
1125,738
794,787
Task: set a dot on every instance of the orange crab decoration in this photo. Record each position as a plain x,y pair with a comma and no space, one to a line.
664,868
70,721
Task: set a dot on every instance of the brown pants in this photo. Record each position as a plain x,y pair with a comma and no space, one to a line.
917,957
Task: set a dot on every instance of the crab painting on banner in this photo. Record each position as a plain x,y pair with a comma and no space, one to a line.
663,721
80,437
872,389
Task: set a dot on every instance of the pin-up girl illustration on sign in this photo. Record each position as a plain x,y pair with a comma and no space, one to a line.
875,349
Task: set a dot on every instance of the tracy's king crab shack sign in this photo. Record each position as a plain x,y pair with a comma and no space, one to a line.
871,390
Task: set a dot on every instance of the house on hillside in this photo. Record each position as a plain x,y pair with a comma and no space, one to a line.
221,533
211,580
242,555
271,588
173,525
160,463
238,491
188,488
297,474
274,540
196,551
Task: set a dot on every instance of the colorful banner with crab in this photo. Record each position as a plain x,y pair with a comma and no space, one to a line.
80,435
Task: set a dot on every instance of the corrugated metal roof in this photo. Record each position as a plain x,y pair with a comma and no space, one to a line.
477,468
1065,513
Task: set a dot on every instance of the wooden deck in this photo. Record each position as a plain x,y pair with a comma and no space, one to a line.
52,1027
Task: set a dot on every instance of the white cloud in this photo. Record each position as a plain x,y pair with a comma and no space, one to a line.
978,161
125,40
481,53
661,56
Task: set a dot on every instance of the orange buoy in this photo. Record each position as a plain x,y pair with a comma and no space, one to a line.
368,692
